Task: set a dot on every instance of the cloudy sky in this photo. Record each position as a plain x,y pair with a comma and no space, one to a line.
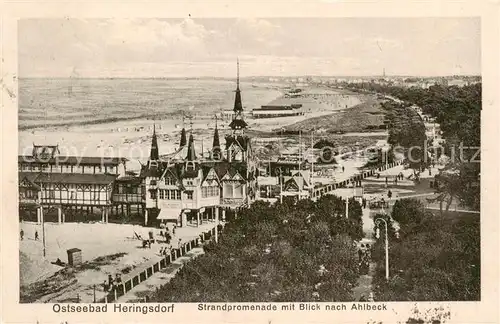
209,47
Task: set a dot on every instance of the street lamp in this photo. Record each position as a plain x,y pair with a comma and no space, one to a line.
377,235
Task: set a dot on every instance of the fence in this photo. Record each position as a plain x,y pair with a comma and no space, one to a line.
343,184
134,280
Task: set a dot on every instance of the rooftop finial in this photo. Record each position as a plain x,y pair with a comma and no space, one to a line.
215,121
237,72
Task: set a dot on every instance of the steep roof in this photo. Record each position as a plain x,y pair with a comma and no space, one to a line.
191,154
154,154
73,160
75,178
242,141
183,138
238,123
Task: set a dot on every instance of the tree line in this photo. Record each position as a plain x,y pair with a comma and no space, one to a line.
290,252
458,112
431,258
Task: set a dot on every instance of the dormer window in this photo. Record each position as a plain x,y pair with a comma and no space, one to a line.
153,164
153,182
190,165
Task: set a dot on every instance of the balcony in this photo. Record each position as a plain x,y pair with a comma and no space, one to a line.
128,198
28,201
233,202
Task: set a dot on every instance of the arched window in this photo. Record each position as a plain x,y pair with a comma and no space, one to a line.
190,165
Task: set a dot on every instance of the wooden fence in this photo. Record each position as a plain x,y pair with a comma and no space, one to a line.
328,188
138,277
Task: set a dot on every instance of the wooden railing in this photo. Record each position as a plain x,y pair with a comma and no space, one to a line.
328,188
135,279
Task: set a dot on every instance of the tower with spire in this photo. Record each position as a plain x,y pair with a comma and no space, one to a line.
237,144
238,124
216,151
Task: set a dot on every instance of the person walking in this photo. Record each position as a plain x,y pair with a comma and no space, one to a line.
22,234
389,194
36,235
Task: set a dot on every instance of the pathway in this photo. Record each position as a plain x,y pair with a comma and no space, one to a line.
146,288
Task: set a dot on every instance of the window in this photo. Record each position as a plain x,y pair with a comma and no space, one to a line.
45,168
189,195
95,195
72,194
98,169
178,194
152,194
189,183
162,193
204,192
169,181
52,194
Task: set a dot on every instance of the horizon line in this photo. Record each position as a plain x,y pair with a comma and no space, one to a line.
256,76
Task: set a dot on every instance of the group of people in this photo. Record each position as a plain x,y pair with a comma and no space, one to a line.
111,283
21,234
364,258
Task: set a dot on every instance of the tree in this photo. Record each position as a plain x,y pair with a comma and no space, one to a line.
275,253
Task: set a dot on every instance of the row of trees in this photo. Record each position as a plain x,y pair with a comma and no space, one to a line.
458,112
301,251
431,258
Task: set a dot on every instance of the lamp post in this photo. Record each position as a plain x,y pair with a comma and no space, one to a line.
377,222
281,187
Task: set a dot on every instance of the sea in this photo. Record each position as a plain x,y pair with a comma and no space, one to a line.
46,102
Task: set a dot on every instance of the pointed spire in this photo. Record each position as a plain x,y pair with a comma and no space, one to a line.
183,138
191,154
154,154
238,106
237,73
216,151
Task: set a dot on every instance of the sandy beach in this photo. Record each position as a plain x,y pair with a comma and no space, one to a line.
131,138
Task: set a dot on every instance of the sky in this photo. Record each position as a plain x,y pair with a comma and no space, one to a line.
265,47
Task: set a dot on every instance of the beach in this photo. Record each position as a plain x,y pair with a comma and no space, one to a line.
108,117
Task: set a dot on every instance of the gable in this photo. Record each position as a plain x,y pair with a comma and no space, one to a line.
237,177
291,185
226,177
211,179
26,183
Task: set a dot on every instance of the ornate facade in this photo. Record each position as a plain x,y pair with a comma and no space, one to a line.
187,188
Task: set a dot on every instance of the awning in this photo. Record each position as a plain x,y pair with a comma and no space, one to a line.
169,213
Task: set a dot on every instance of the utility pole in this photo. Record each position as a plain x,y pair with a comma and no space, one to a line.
217,226
300,163
347,207
281,188
377,222
312,163
43,231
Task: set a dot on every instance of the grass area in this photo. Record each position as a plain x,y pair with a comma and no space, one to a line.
367,116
